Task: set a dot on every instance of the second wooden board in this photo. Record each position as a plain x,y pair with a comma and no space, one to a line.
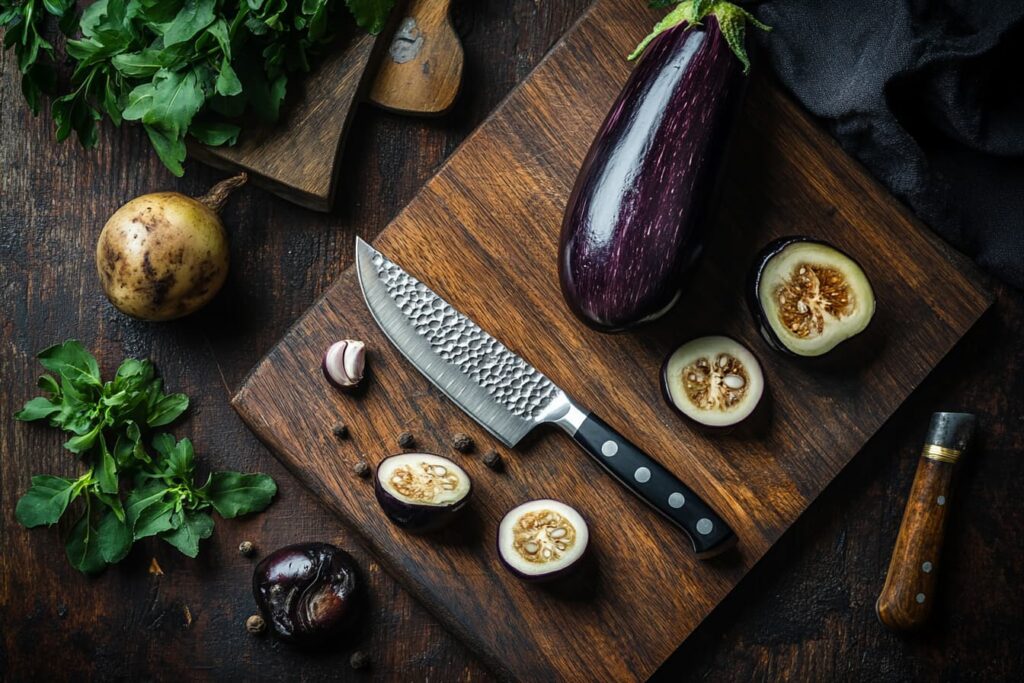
483,233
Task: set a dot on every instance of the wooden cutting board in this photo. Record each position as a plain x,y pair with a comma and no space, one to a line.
483,233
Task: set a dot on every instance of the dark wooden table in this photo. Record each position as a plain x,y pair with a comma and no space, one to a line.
807,612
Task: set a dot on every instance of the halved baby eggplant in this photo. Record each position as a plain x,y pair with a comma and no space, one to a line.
714,381
807,296
542,540
421,492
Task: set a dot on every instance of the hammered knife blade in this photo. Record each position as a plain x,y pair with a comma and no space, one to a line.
509,397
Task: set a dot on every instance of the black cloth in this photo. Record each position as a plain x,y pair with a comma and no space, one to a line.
929,95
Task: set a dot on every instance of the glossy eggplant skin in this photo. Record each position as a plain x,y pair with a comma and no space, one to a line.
309,592
635,220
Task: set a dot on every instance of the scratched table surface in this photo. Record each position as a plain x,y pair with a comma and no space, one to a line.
805,613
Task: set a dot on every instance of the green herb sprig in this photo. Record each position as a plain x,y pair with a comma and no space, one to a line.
180,67
127,492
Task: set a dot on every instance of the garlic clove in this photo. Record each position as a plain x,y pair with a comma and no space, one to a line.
344,363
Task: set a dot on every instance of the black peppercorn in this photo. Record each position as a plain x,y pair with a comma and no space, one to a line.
361,469
340,430
255,625
406,440
359,660
246,548
493,460
462,443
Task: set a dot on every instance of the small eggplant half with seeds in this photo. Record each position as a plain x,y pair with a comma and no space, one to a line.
715,381
807,297
421,492
542,540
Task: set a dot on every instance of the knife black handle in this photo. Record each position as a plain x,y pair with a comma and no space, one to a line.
656,486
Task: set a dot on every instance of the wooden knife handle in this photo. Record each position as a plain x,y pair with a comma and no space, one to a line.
909,591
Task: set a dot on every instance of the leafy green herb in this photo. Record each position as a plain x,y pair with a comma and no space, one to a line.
109,421
180,67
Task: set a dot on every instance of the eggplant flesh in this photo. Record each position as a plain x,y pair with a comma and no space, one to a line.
714,381
635,220
421,492
542,540
807,297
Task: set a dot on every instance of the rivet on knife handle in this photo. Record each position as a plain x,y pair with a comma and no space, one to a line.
909,591
656,486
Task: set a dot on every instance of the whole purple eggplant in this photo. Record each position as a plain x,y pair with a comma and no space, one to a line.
636,217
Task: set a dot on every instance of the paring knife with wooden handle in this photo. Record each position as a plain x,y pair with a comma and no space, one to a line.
509,397
909,591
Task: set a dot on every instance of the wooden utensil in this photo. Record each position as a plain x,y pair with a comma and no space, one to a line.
909,591
484,233
422,71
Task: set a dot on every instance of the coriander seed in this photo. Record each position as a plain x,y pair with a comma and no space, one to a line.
246,548
255,625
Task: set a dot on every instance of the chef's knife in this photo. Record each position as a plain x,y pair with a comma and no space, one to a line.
509,397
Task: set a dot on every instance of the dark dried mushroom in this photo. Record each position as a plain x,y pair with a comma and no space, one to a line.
421,492
344,363
308,592
807,296
714,381
542,540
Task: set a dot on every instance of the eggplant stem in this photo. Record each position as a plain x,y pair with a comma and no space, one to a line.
219,193
732,19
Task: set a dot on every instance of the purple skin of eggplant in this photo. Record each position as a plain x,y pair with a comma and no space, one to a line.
308,592
417,519
635,221
771,250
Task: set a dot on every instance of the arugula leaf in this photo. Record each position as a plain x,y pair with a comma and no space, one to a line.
162,63
45,501
161,497
192,527
194,16
71,361
214,134
167,409
82,546
233,493
371,15
36,409
114,538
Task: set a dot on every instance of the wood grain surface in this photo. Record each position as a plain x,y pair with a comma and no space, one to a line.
805,613
422,72
483,233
